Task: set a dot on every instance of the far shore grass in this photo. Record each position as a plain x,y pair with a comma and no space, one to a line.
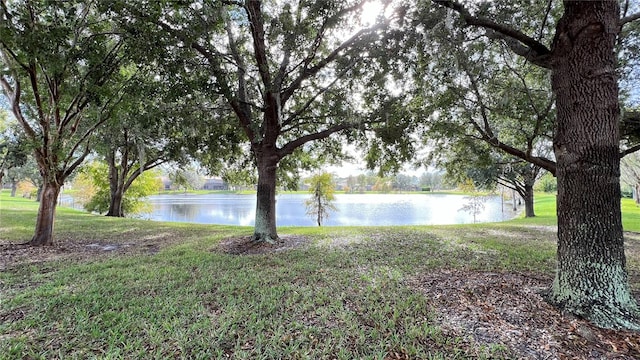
304,192
345,295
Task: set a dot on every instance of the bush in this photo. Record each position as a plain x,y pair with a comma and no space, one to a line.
547,183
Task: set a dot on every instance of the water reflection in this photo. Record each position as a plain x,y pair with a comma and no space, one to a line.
353,209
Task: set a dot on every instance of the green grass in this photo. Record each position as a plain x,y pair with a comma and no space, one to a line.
344,296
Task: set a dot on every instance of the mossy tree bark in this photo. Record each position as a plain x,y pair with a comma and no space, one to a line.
591,280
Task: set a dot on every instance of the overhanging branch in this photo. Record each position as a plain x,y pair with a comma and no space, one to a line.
630,18
290,147
520,43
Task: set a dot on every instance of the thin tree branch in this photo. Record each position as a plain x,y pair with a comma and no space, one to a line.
308,72
147,166
321,91
629,151
630,18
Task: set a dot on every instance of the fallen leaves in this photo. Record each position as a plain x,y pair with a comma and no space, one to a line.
506,309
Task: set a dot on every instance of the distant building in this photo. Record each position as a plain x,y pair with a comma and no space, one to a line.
215,184
166,183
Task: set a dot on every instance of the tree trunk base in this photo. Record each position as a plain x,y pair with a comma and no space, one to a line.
615,309
40,241
622,317
259,238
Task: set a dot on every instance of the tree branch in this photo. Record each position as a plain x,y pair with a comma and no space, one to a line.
629,18
290,147
256,25
14,98
242,107
147,166
321,91
308,72
519,42
629,151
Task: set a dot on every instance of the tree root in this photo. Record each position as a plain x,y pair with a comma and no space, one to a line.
260,238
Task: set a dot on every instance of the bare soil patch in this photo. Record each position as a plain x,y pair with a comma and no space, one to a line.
494,309
13,255
244,245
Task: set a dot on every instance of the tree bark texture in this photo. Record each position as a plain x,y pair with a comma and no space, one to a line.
115,204
265,223
591,279
528,200
46,214
116,189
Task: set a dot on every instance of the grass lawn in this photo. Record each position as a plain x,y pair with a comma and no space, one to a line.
124,288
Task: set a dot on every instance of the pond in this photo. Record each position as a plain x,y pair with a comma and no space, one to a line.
352,209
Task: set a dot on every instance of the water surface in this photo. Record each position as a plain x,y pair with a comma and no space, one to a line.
352,209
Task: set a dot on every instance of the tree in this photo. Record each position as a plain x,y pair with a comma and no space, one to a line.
322,188
475,200
155,125
547,183
95,177
489,96
404,182
288,72
60,65
487,166
431,180
630,173
27,171
591,280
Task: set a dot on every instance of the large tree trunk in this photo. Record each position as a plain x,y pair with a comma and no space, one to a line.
46,214
265,224
14,188
591,280
115,204
116,189
528,200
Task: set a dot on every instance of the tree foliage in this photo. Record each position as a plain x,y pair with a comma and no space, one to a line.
14,150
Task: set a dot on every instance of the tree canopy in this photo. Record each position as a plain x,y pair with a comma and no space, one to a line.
291,75
61,63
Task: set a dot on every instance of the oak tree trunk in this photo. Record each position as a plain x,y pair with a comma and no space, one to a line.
528,200
14,188
591,279
115,203
116,190
265,223
46,214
